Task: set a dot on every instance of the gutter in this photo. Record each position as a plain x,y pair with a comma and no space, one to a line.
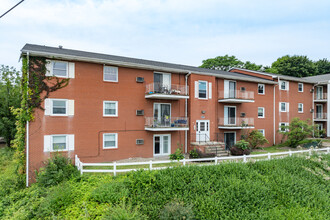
186,114
27,132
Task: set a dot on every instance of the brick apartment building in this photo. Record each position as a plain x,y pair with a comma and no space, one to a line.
117,107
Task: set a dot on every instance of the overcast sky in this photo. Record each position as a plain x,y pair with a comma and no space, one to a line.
177,31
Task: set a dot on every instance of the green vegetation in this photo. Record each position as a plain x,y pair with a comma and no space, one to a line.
290,188
256,139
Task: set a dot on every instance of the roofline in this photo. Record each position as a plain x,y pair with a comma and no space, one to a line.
135,65
253,71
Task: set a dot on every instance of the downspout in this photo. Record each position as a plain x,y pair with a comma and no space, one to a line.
186,114
274,113
328,109
313,105
27,130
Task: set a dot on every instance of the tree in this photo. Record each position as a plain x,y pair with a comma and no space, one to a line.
322,66
252,66
10,96
256,139
298,66
297,131
224,63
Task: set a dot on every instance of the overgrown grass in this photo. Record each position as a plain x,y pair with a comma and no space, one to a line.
289,188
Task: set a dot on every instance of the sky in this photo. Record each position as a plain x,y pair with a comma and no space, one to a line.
175,31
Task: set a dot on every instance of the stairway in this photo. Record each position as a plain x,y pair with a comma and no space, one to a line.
219,150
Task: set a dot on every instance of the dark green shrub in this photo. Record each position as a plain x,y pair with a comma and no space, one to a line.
193,153
256,139
111,192
57,169
122,212
176,211
242,144
177,155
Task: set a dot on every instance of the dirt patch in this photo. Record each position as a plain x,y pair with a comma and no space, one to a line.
2,145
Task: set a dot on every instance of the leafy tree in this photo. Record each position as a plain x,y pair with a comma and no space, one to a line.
252,66
10,96
296,132
298,66
222,63
323,66
256,139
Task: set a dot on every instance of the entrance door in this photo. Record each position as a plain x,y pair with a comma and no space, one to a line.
162,144
319,111
230,139
162,83
230,115
232,89
162,115
202,130
319,92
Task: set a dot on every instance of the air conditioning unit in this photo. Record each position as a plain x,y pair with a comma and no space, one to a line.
242,114
312,110
139,112
312,90
139,141
139,79
243,89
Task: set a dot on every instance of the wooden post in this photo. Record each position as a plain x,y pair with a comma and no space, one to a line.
328,150
290,153
269,156
310,151
216,160
114,168
184,161
244,158
150,164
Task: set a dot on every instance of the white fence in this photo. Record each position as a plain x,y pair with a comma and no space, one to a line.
80,165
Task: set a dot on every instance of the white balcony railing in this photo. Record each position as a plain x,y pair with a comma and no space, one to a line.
320,115
159,88
236,122
236,94
166,122
320,96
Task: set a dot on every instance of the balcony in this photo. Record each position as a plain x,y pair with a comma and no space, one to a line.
236,96
236,123
171,92
320,97
166,124
320,116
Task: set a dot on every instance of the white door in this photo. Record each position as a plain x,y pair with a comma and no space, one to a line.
319,92
319,111
202,130
162,144
230,115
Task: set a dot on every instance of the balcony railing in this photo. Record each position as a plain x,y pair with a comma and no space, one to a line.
320,96
236,122
166,122
159,88
236,95
320,115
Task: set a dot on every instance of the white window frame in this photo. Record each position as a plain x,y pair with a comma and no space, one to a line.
116,141
116,74
286,107
286,85
67,68
161,147
263,112
262,131
263,90
302,107
116,104
52,142
283,124
52,109
207,93
302,87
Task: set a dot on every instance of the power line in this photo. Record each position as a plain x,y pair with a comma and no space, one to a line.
12,8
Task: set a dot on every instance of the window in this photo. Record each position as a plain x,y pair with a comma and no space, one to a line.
261,112
283,126
300,87
59,107
110,141
202,89
60,69
110,108
284,85
110,74
262,131
261,89
284,107
300,107
59,142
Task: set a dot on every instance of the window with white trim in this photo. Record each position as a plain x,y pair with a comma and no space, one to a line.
202,89
110,108
300,87
58,142
110,74
59,106
283,126
261,112
262,131
284,107
261,89
300,107
110,140
60,68
284,85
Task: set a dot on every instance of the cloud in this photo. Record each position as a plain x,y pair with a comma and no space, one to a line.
185,31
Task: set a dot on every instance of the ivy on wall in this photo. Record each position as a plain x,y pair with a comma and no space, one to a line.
35,88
